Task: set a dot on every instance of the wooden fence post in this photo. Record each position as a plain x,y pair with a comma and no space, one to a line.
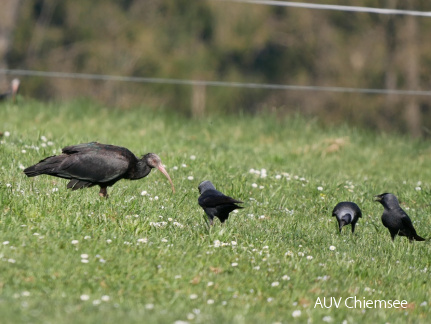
198,100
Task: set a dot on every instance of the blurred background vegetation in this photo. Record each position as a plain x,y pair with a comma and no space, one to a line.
226,41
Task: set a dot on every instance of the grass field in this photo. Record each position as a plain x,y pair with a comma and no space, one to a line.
145,255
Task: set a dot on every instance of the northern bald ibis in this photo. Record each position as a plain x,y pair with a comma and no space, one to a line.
12,92
214,203
91,164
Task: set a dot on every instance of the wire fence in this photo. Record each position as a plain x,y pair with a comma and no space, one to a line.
198,95
172,81
104,77
382,11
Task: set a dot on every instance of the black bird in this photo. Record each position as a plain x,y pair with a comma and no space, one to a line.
214,203
91,164
395,218
12,92
347,213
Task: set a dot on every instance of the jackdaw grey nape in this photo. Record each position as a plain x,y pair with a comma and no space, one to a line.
214,203
347,212
395,218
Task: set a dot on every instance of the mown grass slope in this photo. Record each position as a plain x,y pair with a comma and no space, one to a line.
145,255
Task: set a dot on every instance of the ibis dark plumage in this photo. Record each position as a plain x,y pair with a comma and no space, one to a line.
214,203
347,212
396,219
90,164
12,92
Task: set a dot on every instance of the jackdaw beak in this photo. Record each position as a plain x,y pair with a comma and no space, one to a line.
378,198
346,219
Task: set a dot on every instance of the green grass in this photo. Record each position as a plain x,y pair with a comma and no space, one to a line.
177,273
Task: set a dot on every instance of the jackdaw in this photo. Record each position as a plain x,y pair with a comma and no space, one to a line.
395,218
214,203
347,213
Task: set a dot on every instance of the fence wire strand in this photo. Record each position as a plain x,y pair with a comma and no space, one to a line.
305,5
269,86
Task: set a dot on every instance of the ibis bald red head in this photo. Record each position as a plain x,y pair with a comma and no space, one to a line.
153,160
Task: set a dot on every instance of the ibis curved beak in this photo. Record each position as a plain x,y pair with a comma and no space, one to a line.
163,170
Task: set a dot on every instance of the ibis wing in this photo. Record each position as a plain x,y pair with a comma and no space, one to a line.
82,148
94,167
